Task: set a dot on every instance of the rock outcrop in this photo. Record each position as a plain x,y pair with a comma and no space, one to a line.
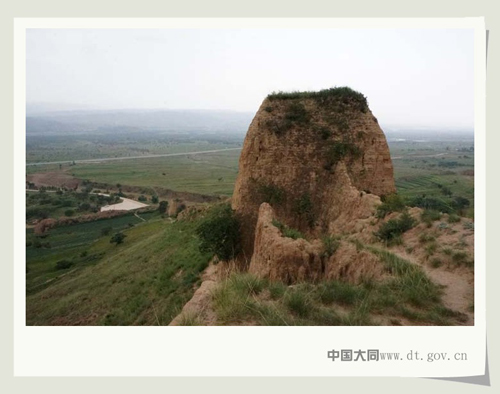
320,160
278,257
284,258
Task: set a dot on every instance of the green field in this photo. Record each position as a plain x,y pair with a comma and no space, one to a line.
437,169
210,173
215,173
84,146
68,243
144,281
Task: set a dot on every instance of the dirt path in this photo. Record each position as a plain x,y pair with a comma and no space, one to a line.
137,216
458,291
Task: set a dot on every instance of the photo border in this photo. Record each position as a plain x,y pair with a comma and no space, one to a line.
37,352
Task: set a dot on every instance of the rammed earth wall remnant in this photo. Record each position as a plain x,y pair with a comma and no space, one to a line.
320,159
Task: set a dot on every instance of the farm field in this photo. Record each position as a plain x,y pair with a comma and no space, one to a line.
438,168
70,147
211,173
423,165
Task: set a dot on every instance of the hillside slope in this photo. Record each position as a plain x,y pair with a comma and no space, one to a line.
144,281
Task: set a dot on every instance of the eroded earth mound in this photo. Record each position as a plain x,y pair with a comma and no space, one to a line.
321,161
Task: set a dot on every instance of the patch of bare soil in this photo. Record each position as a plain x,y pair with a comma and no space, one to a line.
56,178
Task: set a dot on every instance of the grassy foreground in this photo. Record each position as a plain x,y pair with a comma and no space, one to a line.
407,293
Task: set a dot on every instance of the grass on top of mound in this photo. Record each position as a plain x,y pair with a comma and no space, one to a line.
342,94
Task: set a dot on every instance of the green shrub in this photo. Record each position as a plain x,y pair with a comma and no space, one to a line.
154,199
84,206
339,120
430,215
69,212
448,251
340,292
325,133
359,245
287,231
181,207
469,226
460,203
233,298
298,302
339,150
303,207
436,263
63,264
394,228
36,212
431,248
296,113
106,230
330,245
276,290
271,194
390,203
66,203
162,208
277,125
446,191
424,238
460,258
219,233
443,226
453,218
118,238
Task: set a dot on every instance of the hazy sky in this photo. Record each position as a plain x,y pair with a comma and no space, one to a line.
410,77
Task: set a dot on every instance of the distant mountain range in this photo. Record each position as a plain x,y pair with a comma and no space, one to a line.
46,120
137,120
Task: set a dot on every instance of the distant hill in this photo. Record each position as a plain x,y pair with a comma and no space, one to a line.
137,120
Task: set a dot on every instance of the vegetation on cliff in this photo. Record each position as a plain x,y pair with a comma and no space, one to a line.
220,233
343,97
